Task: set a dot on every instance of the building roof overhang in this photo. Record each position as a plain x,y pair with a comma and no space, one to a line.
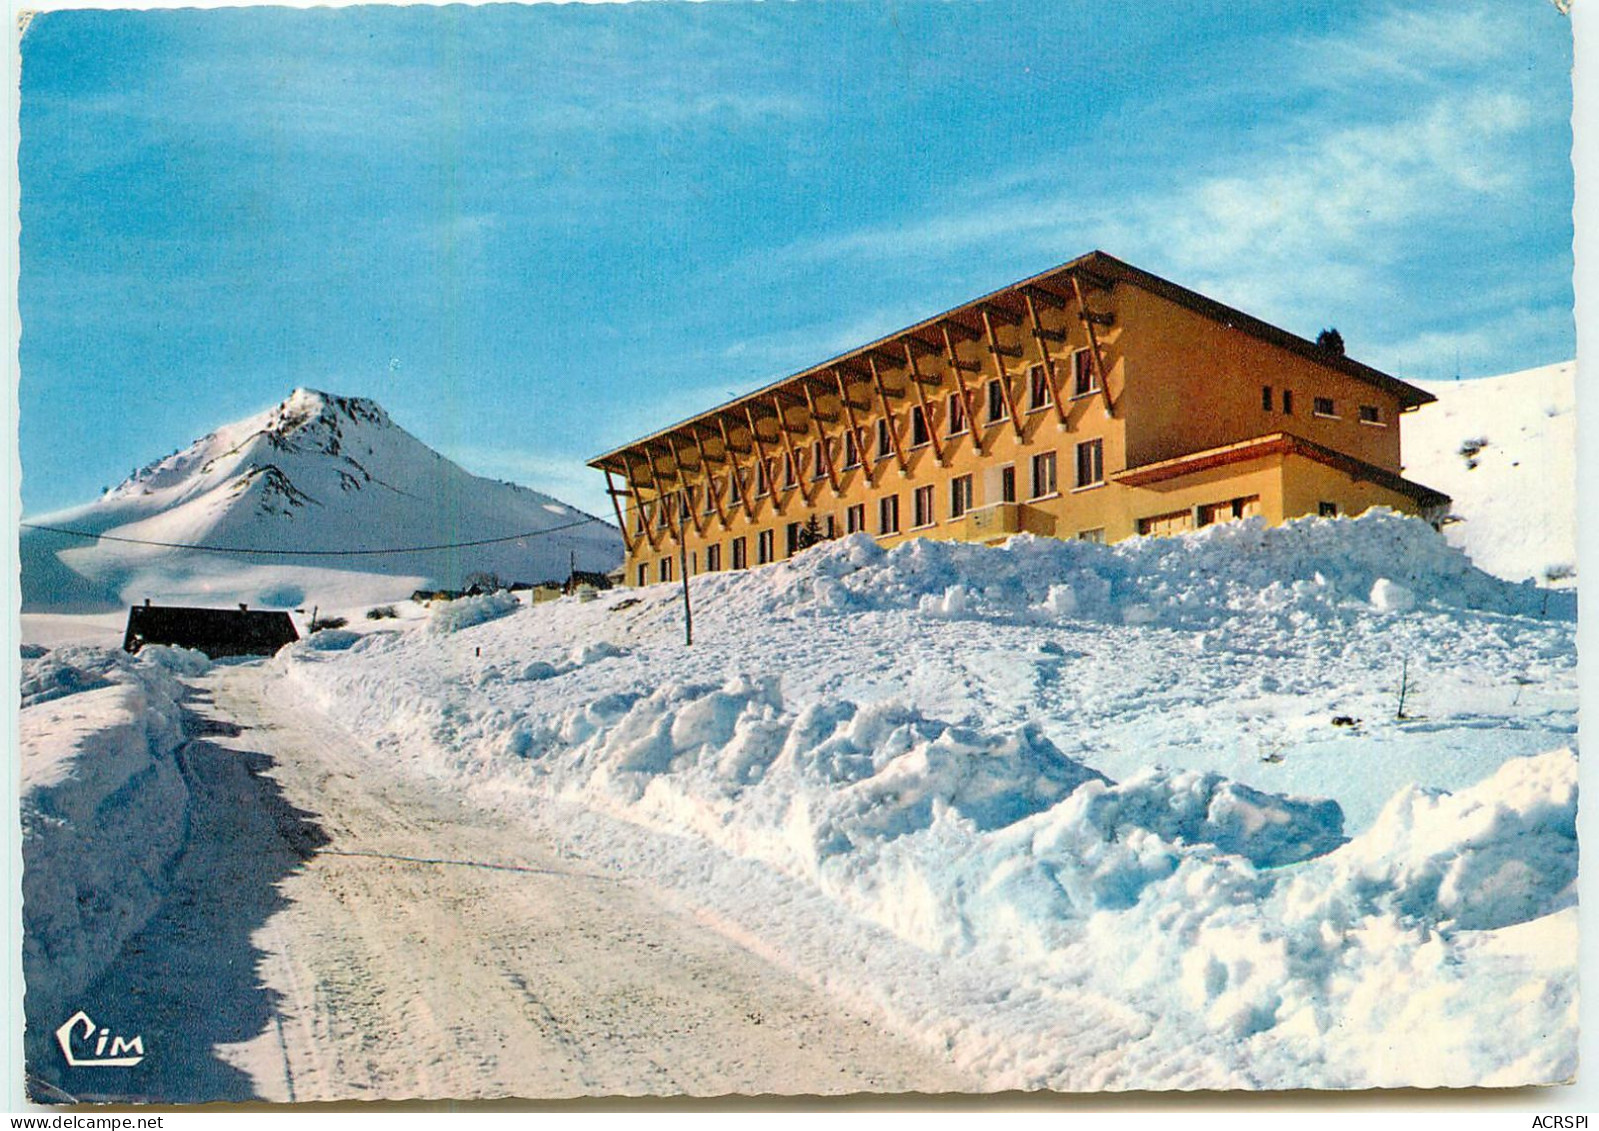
1052,287
1276,444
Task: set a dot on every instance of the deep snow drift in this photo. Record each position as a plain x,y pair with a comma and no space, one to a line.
315,473
1505,450
1245,808
103,804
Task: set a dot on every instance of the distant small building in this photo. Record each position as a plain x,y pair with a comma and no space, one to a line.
216,632
582,577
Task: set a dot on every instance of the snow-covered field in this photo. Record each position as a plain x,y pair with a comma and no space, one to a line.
1246,808
1505,449
1168,782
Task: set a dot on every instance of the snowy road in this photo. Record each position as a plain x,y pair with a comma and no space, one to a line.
429,949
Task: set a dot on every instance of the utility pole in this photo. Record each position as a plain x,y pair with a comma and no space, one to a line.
688,612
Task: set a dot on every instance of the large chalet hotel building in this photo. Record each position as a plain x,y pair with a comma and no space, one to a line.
1093,401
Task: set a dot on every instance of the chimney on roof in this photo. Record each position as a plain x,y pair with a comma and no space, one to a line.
147,602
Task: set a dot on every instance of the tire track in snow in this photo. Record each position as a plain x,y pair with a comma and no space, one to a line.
408,969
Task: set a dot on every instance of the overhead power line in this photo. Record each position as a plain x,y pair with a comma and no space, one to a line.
584,521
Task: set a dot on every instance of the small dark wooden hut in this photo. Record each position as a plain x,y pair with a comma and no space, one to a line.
216,632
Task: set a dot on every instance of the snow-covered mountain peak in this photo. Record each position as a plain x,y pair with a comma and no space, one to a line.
315,480
315,413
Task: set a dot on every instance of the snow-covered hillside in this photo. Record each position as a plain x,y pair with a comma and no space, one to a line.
1505,449
321,473
1251,807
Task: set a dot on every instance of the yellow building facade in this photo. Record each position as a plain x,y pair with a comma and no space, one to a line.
1092,401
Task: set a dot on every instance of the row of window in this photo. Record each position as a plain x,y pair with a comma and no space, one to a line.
1084,382
1320,406
1090,472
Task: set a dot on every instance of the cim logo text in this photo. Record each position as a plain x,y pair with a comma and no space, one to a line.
110,1051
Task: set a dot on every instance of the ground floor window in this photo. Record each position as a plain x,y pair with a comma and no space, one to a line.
888,514
855,518
960,495
713,558
765,547
666,569
643,574
1229,511
1327,510
1007,484
741,557
793,538
922,505
1097,534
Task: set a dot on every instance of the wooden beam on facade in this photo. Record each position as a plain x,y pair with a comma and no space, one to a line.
661,499
1093,345
1004,379
699,443
854,427
687,492
1046,296
734,473
929,421
811,405
965,393
610,489
766,461
710,483
793,456
645,514
827,448
969,325
888,416
1041,336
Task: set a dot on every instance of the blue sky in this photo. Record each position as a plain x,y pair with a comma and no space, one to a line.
536,232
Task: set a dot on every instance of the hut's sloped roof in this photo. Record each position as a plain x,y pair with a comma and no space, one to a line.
216,632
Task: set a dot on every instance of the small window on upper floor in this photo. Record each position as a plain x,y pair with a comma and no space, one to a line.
1370,414
997,408
1265,398
957,414
1038,390
920,436
1084,379
1323,406
1288,402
